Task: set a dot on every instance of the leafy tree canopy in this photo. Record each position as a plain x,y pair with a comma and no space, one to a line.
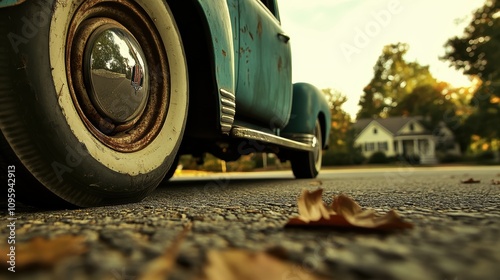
477,53
394,78
341,121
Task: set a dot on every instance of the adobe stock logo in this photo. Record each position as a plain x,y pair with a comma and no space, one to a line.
363,36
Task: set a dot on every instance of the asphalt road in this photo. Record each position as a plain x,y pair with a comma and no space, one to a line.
456,232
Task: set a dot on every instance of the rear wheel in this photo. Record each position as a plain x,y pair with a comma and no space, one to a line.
308,164
93,98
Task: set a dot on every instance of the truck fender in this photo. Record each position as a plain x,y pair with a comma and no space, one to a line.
309,104
220,26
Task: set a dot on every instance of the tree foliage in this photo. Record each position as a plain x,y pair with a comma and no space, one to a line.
402,88
394,78
342,149
341,120
477,53
427,101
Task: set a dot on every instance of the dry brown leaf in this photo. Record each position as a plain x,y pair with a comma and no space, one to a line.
161,267
45,252
343,213
316,183
238,264
311,206
470,181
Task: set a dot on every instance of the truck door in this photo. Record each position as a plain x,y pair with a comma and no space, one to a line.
264,85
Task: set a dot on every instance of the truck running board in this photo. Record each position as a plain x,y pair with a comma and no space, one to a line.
303,142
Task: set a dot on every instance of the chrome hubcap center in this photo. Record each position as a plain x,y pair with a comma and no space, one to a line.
115,66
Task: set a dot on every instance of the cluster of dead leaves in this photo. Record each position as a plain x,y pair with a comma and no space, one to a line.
233,264
237,264
342,213
470,181
230,264
42,252
474,181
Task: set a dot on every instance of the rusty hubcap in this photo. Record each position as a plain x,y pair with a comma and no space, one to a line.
118,73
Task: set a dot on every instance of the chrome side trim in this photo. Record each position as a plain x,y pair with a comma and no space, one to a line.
227,110
247,133
309,139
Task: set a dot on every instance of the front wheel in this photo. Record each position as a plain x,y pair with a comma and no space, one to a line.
93,98
171,171
308,164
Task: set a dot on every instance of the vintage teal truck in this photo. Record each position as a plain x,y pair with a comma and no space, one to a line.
98,98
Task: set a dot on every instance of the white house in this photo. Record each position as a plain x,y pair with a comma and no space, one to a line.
403,136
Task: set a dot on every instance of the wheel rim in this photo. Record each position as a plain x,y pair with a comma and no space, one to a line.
118,86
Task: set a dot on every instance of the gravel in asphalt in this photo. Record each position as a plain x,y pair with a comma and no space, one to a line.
456,232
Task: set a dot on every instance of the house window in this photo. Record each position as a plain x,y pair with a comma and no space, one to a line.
375,131
412,127
369,146
383,146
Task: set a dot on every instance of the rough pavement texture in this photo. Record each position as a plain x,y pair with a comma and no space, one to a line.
456,233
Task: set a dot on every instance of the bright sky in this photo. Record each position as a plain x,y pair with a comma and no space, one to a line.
335,43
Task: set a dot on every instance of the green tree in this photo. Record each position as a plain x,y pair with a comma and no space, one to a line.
394,78
402,88
341,120
372,101
436,104
426,101
477,54
476,51
342,150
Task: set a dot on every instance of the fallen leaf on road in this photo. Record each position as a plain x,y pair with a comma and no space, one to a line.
316,183
44,252
343,213
236,264
471,181
495,182
162,266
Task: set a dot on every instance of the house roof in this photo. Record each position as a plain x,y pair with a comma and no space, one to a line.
393,124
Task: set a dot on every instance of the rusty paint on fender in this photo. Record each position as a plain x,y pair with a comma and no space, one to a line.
221,25
264,78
